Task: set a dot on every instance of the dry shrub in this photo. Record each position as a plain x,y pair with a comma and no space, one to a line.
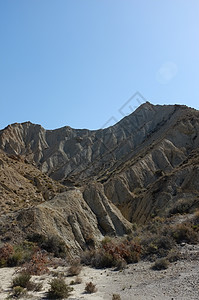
125,250
34,286
75,268
160,264
37,265
157,245
113,253
157,239
184,233
196,216
77,280
21,280
102,259
106,240
155,225
22,253
59,289
53,244
90,288
173,255
116,297
16,255
57,274
18,292
120,264
5,253
195,221
182,206
87,256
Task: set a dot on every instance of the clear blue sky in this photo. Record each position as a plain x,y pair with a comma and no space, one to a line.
76,62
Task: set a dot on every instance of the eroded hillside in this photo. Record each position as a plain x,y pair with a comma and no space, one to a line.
143,165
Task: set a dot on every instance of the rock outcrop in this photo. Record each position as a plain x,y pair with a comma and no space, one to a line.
129,172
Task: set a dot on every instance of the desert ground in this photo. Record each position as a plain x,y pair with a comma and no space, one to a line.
138,281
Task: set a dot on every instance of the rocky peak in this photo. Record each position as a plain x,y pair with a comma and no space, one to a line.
142,165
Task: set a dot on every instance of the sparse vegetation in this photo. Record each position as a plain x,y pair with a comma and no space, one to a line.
90,288
113,253
156,245
59,289
37,264
75,268
158,239
52,244
182,206
160,264
22,253
22,283
5,253
184,233
21,280
18,292
195,221
173,255
77,280
120,264
116,297
16,255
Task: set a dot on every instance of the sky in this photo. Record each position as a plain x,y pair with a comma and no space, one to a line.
87,63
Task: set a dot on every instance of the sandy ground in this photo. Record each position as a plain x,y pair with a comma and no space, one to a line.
138,281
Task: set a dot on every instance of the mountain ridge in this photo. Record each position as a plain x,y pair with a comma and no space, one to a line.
126,168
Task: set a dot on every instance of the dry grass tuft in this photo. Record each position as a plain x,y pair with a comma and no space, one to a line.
90,288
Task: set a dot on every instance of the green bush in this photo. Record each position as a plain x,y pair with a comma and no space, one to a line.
59,289
55,245
18,292
21,280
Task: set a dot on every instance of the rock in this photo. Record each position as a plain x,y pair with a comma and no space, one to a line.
78,182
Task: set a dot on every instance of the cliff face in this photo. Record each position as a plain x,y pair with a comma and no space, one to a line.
143,165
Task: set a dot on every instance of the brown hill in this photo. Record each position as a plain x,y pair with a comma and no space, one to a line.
145,165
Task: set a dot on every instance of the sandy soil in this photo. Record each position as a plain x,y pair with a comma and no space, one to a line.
138,281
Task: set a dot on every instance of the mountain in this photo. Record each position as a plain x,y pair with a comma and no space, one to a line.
98,182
